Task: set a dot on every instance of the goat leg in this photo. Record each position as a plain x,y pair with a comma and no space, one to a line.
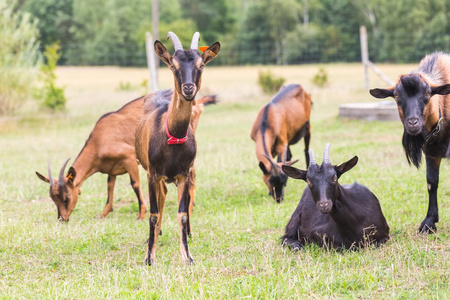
428,224
307,139
109,202
154,220
183,217
136,185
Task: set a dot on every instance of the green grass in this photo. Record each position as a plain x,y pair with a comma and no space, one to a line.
236,226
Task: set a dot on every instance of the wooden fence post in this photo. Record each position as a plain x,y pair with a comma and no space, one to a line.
364,55
367,63
151,64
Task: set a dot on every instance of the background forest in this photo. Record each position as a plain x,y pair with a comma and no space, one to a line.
111,32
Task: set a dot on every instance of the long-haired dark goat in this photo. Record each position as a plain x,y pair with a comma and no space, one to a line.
423,103
280,123
109,149
331,215
165,141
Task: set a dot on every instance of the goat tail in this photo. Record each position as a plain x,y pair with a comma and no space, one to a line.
208,99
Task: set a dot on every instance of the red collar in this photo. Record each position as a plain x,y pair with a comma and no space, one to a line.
174,140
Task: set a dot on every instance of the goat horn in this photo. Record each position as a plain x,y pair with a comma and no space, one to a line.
61,173
195,39
175,41
50,177
312,160
274,166
326,154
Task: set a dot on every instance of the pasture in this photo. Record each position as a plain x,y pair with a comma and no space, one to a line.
236,225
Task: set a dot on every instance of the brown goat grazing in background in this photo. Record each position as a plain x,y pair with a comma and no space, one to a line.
281,123
423,103
109,149
165,141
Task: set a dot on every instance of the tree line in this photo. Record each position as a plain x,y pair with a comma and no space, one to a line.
252,31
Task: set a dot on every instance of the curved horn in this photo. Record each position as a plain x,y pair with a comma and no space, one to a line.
195,39
274,166
175,41
326,154
312,160
61,173
50,177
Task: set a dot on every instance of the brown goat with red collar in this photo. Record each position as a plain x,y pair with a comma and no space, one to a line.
423,103
165,141
281,123
110,150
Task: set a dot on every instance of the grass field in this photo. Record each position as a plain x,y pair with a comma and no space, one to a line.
236,226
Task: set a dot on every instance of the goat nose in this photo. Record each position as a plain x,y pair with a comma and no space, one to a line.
323,205
413,121
188,88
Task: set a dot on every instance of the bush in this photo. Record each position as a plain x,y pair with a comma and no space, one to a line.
52,96
19,56
270,83
321,78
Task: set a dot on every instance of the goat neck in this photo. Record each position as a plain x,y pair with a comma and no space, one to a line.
179,115
84,167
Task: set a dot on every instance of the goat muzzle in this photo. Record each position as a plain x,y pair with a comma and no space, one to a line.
324,206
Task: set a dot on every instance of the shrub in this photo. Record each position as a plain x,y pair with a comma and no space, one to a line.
270,83
321,78
19,56
52,97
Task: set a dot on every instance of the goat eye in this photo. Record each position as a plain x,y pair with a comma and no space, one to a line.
308,182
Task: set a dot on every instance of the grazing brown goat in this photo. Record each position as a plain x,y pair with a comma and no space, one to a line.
281,123
109,149
423,103
165,141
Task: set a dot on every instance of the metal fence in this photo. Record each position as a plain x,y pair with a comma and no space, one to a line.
348,50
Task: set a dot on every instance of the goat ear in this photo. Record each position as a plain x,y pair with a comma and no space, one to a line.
294,172
211,52
382,93
42,177
71,175
346,166
162,52
440,90
263,168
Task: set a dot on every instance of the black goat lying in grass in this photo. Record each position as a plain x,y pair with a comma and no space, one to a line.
331,215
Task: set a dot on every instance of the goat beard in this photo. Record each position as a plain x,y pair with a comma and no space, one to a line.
413,146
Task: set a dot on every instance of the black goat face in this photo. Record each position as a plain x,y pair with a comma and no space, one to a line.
323,183
275,179
412,94
277,184
322,180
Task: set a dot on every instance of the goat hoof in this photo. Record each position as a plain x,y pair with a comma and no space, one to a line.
427,227
140,217
149,262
